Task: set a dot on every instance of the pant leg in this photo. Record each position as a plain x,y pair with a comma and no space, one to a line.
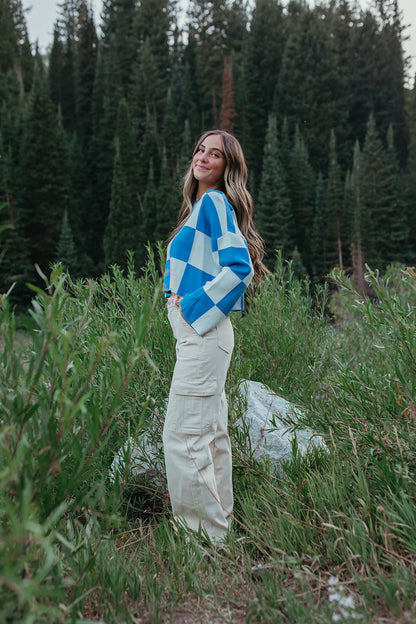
222,460
195,438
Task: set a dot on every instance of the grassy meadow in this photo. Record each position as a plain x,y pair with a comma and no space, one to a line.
329,538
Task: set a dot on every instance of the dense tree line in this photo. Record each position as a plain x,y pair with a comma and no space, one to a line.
94,138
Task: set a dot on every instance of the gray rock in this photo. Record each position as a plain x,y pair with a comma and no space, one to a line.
271,422
144,458
268,420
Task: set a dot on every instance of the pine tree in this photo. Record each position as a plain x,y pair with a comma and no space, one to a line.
153,24
340,22
79,203
122,219
167,205
127,146
298,268
263,54
300,184
183,163
359,223
186,147
16,61
286,149
227,112
123,227
394,231
191,97
394,76
61,66
66,252
274,216
348,206
317,240
334,233
12,33
56,61
68,87
217,30
27,63
171,128
45,180
84,75
107,93
148,92
116,54
177,80
148,144
152,65
376,81
119,39
376,195
311,89
150,206
14,258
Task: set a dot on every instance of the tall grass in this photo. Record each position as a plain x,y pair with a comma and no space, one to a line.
68,395
330,537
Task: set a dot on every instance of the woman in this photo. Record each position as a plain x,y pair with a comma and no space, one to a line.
213,254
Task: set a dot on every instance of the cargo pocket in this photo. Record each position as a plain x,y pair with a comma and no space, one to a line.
195,403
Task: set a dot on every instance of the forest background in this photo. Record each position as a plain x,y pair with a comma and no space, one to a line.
96,135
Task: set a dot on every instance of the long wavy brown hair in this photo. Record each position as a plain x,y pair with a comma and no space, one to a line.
234,186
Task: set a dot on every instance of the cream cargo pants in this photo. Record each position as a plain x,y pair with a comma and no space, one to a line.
195,437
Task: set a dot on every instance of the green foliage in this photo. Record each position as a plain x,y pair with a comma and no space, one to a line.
45,179
92,367
149,209
335,232
84,73
167,202
301,183
218,30
395,246
296,62
319,220
388,326
260,77
69,393
277,314
66,253
273,211
124,220
300,97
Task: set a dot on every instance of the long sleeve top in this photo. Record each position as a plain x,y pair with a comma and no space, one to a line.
208,263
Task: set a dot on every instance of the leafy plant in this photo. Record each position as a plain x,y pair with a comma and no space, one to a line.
329,536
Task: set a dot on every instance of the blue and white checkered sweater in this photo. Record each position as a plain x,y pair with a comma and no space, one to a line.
208,263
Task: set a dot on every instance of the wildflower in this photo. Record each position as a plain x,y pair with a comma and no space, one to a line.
343,604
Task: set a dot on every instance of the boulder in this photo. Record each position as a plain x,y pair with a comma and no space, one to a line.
269,424
144,458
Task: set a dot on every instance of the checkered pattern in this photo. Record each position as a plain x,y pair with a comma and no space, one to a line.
208,263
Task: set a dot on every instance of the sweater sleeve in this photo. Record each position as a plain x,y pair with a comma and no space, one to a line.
205,307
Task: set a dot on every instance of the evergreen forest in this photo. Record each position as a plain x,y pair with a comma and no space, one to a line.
96,134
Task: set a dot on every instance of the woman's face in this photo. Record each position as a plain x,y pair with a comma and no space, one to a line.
208,163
